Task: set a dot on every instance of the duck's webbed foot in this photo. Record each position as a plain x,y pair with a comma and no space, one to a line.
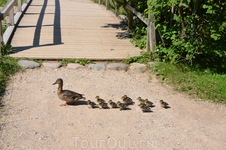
63,104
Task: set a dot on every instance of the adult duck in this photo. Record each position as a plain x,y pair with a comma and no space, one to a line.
67,95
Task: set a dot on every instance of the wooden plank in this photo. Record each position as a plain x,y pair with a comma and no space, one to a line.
85,29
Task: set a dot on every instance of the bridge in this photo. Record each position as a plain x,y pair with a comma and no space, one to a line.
71,29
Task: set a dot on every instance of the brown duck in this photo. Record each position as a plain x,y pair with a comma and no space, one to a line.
67,95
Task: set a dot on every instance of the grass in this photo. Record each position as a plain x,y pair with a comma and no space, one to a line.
83,61
200,84
3,2
8,67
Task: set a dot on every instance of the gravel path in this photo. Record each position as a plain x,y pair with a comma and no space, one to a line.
33,119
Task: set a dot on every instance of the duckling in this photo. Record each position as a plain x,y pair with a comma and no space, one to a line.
92,104
113,104
144,107
122,106
127,100
67,95
99,100
140,100
148,103
103,105
163,104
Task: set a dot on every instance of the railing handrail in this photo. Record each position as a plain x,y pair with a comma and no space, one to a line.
7,8
13,18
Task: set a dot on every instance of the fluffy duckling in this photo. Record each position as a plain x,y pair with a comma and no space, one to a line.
148,103
113,104
140,100
127,100
163,104
92,104
103,105
122,106
144,107
99,100
67,95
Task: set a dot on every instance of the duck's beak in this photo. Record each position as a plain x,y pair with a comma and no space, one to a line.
54,83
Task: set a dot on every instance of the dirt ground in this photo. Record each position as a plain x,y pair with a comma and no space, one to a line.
33,120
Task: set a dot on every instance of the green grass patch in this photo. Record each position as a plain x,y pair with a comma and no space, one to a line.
202,84
83,61
8,67
144,58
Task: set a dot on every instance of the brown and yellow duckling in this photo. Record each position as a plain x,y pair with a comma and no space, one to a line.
144,107
127,100
148,103
99,100
103,105
164,104
113,104
140,100
67,95
122,106
92,104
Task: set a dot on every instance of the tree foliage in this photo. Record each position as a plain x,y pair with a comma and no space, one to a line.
192,30
188,30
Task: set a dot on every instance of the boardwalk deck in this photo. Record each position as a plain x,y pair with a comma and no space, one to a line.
54,29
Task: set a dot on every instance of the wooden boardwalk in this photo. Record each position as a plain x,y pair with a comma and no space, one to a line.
54,29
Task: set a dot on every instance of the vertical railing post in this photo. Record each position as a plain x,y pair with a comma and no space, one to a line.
19,6
1,36
130,19
107,5
116,9
100,1
10,22
151,36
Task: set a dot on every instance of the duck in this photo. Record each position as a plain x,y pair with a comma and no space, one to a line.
163,104
127,100
113,104
122,106
144,107
99,100
67,95
148,103
92,104
103,105
140,100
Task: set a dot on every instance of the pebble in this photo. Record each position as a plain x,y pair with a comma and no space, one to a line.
74,66
52,65
27,64
117,66
97,66
137,68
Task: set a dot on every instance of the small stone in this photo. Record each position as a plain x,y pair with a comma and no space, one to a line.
52,65
27,64
137,68
118,66
74,66
151,64
97,66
